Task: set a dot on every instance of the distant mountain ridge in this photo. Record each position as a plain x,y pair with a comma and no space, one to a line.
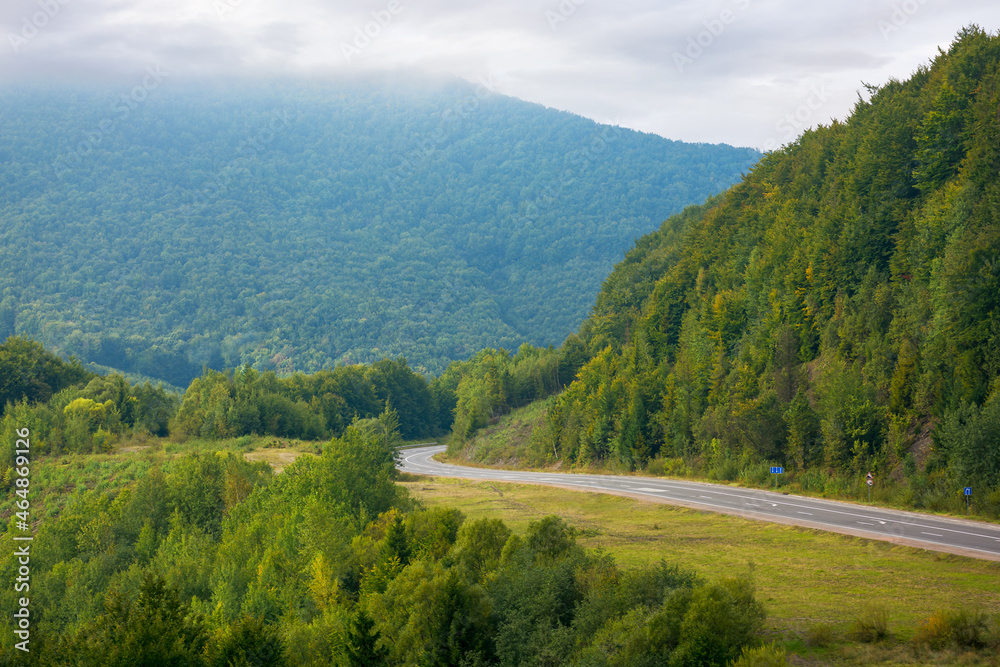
164,226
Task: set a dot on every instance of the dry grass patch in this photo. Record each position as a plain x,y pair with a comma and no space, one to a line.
279,459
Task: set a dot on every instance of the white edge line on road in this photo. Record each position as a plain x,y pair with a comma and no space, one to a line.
527,476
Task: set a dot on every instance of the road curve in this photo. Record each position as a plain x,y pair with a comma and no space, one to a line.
967,538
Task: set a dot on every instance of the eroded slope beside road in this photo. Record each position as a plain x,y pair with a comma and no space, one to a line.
967,538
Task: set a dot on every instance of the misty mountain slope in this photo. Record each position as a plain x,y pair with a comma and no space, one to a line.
827,312
294,226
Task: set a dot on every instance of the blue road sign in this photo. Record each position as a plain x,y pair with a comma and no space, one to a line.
968,490
777,470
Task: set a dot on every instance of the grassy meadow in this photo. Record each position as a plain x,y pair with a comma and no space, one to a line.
815,584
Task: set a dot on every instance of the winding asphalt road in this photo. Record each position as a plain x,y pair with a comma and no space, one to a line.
967,538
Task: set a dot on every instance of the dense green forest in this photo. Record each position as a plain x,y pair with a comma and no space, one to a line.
837,312
69,409
207,559
294,226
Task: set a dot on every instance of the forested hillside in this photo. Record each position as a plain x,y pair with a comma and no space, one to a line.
826,313
295,226
836,312
207,559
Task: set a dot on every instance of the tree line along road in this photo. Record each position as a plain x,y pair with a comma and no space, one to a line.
967,538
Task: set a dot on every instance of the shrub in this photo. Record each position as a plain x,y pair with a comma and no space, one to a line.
762,656
872,625
431,615
819,635
721,620
933,632
480,544
669,467
969,629
936,501
676,467
812,480
656,467
727,470
550,537
903,496
965,628
990,505
836,486
756,474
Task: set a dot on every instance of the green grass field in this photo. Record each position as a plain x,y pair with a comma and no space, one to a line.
808,579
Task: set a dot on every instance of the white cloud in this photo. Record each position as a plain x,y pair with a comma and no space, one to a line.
724,70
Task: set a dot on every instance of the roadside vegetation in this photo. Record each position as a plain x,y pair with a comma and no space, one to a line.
201,557
835,313
830,599
516,441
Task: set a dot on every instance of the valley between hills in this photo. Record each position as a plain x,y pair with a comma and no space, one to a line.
244,302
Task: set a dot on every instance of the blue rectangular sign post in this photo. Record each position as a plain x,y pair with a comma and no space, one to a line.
776,470
968,492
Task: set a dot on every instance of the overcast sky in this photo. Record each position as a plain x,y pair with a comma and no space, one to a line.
745,72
